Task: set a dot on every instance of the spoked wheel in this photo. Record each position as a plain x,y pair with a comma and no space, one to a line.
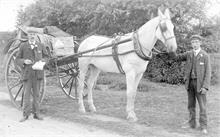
68,79
14,82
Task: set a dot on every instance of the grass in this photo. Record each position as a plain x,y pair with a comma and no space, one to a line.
161,106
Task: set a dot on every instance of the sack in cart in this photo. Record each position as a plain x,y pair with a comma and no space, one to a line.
63,46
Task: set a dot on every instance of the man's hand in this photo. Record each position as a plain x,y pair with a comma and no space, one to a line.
28,62
203,91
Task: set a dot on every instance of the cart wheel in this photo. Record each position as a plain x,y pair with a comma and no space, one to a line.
14,82
68,79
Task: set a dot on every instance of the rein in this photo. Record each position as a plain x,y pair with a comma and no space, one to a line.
107,55
138,49
157,51
114,54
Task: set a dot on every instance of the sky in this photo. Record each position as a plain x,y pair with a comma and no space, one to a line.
9,8
8,13
214,8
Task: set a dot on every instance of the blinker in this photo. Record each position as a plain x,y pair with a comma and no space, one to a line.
163,27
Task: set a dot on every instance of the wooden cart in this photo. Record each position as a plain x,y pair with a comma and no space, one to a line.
67,73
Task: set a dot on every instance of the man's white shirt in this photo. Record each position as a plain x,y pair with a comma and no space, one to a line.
32,44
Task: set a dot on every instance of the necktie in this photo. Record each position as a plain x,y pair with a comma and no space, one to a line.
194,53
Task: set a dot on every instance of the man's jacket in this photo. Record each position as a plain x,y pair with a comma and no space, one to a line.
203,68
25,51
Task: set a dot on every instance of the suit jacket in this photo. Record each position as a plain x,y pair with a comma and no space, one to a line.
203,68
26,52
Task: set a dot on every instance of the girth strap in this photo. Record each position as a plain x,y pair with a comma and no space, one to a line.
115,54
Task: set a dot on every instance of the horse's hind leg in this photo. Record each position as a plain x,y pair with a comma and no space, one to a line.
93,74
82,74
132,80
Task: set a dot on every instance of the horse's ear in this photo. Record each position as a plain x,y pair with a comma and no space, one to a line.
167,13
160,14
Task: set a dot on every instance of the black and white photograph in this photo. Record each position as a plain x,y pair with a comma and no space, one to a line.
110,68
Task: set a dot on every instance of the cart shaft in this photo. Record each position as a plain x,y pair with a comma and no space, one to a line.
73,58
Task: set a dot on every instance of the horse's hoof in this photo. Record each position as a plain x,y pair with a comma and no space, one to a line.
92,109
132,120
82,110
132,117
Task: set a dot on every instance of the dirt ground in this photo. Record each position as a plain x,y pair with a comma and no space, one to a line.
49,127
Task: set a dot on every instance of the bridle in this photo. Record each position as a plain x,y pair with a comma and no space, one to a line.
163,29
139,48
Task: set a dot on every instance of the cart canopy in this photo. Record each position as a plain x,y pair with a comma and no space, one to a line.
58,42
54,31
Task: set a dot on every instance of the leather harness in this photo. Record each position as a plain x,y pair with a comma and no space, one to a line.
115,54
137,49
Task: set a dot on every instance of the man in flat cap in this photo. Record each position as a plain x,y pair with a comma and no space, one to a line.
197,81
30,52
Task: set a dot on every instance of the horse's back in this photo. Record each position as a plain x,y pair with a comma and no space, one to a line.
104,63
93,42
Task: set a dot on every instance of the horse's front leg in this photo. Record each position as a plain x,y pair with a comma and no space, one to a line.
132,80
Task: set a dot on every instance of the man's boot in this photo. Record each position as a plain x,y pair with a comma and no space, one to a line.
38,117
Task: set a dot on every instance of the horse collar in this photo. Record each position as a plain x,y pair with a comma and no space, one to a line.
139,49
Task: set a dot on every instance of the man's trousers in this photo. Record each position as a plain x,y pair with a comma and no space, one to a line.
31,88
201,98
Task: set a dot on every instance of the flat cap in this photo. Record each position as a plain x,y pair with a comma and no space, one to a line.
196,37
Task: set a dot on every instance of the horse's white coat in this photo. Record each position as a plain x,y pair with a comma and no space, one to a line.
133,66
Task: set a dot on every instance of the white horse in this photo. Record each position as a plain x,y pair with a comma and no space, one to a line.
133,66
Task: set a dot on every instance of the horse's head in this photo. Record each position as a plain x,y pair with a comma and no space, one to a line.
164,31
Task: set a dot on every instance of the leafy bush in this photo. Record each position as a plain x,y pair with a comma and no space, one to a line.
161,69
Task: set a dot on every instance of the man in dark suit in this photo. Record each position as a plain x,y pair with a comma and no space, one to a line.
197,81
29,53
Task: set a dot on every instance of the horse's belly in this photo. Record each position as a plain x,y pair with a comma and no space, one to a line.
128,63
106,64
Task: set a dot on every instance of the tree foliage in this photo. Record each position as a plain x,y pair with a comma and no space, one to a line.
86,17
